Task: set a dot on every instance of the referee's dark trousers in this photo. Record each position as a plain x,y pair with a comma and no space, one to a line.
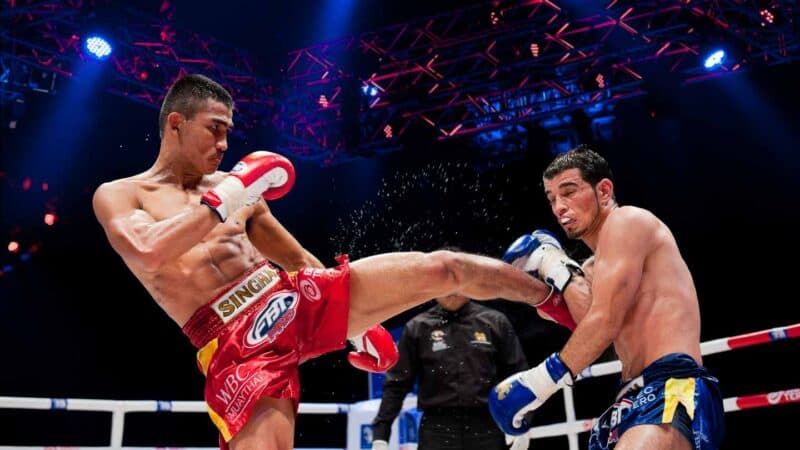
458,428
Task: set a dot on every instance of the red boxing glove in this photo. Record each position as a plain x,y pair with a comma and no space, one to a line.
374,350
259,174
555,308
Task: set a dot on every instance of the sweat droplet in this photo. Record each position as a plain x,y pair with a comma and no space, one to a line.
425,209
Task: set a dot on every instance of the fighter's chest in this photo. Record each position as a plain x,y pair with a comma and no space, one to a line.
166,203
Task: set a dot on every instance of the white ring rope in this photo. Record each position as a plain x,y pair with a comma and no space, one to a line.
572,427
730,404
84,404
710,347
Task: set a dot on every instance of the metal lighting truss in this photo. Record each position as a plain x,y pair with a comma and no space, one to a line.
474,69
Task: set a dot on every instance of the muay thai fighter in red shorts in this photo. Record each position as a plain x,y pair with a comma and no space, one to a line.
199,240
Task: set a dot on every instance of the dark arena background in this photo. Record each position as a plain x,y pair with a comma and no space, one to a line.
412,125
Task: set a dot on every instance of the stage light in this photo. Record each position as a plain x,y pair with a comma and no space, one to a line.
768,17
98,47
13,246
714,60
369,90
601,82
50,219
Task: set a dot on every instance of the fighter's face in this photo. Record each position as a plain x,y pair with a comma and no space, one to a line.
573,201
205,135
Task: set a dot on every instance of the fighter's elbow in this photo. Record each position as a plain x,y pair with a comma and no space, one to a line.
137,252
300,260
150,260
607,324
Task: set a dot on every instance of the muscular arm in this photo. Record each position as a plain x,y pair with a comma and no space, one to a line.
578,296
623,245
276,243
140,239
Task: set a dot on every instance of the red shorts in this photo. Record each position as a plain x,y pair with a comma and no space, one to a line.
255,333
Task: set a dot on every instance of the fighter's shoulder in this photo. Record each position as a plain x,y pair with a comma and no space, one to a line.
632,216
628,226
116,189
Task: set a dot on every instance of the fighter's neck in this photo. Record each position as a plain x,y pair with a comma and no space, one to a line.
591,237
168,168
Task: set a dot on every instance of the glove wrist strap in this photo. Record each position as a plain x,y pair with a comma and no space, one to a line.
230,196
558,270
357,342
547,297
548,377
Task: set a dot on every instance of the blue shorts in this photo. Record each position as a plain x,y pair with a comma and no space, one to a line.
674,390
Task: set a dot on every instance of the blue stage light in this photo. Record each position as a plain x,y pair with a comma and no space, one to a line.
369,90
98,47
714,60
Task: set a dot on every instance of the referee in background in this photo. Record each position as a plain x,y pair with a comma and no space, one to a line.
457,350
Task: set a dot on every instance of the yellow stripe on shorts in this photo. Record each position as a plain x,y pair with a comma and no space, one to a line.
220,423
204,354
678,391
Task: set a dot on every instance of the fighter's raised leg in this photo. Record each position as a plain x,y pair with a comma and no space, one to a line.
385,285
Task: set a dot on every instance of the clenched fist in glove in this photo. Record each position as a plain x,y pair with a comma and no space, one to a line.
541,255
374,350
526,391
259,174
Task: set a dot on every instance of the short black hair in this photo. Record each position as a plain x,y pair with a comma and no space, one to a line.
187,94
592,166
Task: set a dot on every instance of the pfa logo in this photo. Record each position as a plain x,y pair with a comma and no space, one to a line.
273,319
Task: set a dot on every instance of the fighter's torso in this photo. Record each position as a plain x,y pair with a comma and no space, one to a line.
665,316
183,285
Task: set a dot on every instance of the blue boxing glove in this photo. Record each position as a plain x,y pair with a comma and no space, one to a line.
541,255
525,391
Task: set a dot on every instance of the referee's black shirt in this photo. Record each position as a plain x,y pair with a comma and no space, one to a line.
457,358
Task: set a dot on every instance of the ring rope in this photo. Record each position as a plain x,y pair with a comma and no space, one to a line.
119,408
